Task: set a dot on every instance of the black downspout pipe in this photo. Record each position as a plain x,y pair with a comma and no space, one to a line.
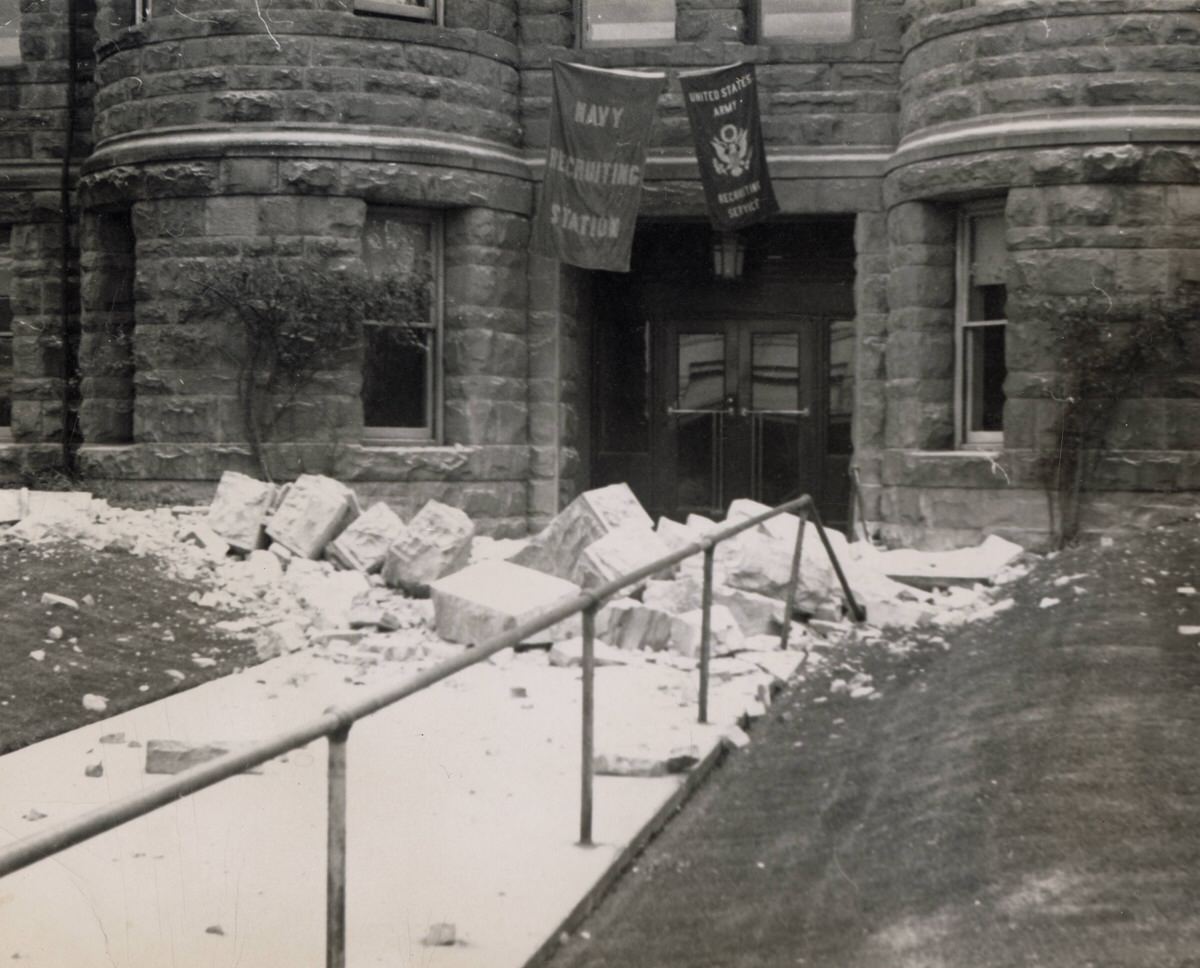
65,252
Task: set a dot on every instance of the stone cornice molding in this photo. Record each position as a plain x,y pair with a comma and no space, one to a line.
1049,129
30,175
333,142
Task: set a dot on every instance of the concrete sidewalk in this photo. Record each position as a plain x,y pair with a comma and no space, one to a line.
463,810
1028,796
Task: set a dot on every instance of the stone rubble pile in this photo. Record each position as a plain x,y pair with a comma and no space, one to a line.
308,568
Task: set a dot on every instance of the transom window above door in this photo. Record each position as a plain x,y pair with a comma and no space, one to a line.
806,21
627,23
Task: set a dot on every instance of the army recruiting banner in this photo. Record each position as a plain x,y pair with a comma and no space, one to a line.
722,106
600,124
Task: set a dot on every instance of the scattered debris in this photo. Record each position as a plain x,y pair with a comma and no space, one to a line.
34,814
50,599
215,929
94,770
94,703
492,597
173,756
436,543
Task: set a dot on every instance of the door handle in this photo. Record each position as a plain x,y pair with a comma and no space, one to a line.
677,411
749,412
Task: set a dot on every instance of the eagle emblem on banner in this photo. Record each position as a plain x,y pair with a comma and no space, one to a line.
732,149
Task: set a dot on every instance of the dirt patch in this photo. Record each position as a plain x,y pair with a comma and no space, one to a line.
136,639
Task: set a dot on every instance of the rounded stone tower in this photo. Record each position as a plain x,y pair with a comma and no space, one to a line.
1048,171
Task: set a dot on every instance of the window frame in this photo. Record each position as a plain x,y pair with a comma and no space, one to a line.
758,20
583,42
965,438
15,59
432,13
435,367
6,254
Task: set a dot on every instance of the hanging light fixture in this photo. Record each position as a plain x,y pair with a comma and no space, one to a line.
729,255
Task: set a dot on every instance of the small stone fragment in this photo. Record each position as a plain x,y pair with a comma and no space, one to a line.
442,934
94,770
173,756
55,633
215,929
38,655
34,814
113,738
51,599
94,703
1048,602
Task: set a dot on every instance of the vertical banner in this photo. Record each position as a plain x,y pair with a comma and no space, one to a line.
722,106
600,123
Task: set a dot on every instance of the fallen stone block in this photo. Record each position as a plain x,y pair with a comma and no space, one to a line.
490,598
239,509
755,614
569,654
364,544
261,568
203,536
314,510
435,543
57,504
13,502
628,625
173,756
725,636
278,639
617,553
586,519
674,535
675,596
678,760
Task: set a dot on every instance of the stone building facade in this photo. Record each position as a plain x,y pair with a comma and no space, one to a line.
951,174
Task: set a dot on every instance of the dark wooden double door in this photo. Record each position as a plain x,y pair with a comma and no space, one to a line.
736,412
705,391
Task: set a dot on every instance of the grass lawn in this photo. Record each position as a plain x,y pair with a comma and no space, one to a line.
135,640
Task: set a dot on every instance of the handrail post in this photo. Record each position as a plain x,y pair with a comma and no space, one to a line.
589,725
335,874
793,580
706,631
857,612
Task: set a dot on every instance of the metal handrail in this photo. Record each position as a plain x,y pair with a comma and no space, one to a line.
334,723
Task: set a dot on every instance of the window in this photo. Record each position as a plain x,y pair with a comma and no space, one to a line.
628,23
813,21
400,362
980,327
428,10
10,31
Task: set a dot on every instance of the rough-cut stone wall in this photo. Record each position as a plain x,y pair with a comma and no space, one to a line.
870,354
35,115
1055,54
312,67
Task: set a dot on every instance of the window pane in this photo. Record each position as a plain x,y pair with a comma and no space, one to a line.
10,31
623,404
622,22
985,370
775,371
396,377
398,361
701,371
808,20
841,387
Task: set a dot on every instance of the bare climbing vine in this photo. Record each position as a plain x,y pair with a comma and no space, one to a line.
295,319
1103,358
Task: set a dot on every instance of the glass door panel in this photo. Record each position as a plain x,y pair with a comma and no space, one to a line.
699,418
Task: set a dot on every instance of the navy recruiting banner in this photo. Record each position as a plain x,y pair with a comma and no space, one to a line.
722,106
600,123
